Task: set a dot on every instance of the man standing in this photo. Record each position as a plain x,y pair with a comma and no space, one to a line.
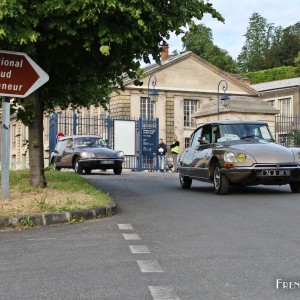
175,150
161,151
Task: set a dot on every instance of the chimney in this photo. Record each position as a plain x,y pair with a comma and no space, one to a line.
165,53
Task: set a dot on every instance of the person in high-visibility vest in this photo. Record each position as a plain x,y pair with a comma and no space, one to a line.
175,150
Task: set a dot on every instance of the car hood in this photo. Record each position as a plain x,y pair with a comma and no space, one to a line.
266,152
100,152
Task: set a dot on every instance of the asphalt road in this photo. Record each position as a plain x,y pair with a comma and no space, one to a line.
164,243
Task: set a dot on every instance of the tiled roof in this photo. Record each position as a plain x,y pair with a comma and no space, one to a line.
276,84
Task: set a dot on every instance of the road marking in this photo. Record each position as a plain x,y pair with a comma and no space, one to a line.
163,293
139,249
131,237
125,227
149,266
44,239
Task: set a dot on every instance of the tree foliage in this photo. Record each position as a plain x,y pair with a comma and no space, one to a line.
267,46
86,46
258,39
199,39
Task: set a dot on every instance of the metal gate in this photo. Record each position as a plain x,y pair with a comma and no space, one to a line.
146,136
287,130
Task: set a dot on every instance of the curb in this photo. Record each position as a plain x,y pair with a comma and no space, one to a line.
59,218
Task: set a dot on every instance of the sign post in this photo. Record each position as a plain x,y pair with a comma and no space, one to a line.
19,77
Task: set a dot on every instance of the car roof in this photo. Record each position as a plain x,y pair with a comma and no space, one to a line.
233,122
79,136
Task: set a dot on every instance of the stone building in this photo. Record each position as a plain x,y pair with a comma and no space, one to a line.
188,90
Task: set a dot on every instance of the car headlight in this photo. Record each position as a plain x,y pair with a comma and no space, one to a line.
87,155
120,154
233,157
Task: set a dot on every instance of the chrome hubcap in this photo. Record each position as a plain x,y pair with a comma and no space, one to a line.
217,178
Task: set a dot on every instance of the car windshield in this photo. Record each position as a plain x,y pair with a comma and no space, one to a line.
230,132
89,141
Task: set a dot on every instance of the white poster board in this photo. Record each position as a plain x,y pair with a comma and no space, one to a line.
124,136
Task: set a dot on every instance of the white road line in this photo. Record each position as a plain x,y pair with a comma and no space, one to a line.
139,249
44,239
131,237
125,226
163,293
149,266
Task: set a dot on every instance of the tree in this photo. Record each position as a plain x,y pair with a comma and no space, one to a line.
258,39
297,65
199,39
285,49
86,47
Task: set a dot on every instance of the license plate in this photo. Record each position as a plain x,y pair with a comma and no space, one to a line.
106,162
274,173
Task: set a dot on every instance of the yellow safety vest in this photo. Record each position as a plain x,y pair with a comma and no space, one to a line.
175,149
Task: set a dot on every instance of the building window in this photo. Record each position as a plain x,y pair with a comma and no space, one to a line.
14,136
190,107
144,108
271,103
24,134
46,127
187,142
285,106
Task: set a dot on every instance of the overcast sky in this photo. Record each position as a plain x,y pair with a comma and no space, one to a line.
230,36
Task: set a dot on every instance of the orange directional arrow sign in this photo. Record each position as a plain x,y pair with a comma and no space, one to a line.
19,75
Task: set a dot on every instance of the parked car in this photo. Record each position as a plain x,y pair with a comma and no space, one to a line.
238,153
86,153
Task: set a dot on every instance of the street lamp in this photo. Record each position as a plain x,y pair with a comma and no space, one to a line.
153,95
225,98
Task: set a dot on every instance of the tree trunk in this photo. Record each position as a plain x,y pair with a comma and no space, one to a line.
36,143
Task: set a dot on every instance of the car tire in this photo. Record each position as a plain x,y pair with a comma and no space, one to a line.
185,182
87,171
220,181
118,170
295,187
77,167
56,167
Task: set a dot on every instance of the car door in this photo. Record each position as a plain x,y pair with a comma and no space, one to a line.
59,149
67,154
202,153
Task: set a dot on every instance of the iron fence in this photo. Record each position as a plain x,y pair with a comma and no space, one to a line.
73,124
287,130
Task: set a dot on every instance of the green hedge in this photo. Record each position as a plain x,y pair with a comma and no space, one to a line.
271,74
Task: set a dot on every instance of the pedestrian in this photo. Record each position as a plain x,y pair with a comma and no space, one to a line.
175,150
161,151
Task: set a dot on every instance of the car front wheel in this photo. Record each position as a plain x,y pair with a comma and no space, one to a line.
77,167
221,183
56,167
87,171
295,187
185,181
118,170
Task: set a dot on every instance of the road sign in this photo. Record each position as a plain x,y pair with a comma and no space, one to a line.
59,135
19,75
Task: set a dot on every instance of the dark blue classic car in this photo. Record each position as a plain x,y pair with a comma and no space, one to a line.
86,153
238,153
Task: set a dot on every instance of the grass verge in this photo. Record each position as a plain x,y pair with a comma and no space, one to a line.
65,191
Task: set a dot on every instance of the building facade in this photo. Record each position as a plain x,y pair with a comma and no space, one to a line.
283,95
